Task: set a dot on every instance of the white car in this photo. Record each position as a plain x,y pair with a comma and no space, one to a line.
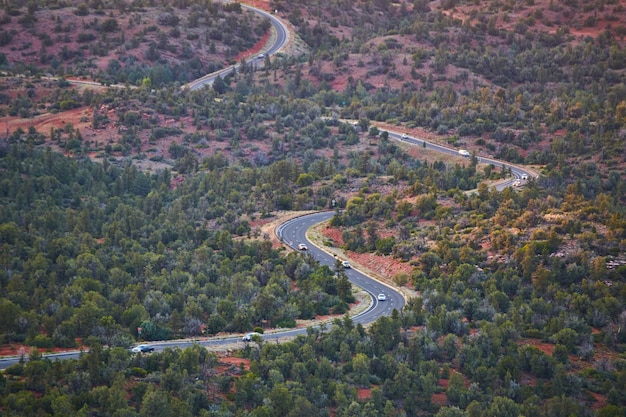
302,246
346,264
405,136
382,297
249,336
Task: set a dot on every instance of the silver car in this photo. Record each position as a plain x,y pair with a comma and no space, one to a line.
249,336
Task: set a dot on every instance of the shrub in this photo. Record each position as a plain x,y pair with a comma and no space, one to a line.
168,19
400,279
41,341
138,372
15,370
110,25
5,38
286,323
340,308
82,10
27,20
86,37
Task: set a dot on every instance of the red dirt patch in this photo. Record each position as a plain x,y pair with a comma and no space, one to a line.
386,266
20,349
439,398
255,49
333,234
600,400
259,4
546,348
226,362
364,394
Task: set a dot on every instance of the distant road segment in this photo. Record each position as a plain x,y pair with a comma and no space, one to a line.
518,172
282,36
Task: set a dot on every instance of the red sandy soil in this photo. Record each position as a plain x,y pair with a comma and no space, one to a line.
16,349
349,68
81,118
546,348
364,394
225,362
255,49
259,4
439,398
600,400
385,266
356,66
443,383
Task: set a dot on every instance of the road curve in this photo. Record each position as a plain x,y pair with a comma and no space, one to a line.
282,35
518,172
292,233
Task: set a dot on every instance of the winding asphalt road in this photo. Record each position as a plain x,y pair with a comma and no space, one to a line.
518,172
293,232
282,35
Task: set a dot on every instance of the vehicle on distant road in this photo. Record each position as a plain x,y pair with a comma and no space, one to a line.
405,136
142,349
302,246
248,337
464,152
346,264
382,297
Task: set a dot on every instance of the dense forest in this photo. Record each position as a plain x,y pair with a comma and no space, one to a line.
519,296
90,250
